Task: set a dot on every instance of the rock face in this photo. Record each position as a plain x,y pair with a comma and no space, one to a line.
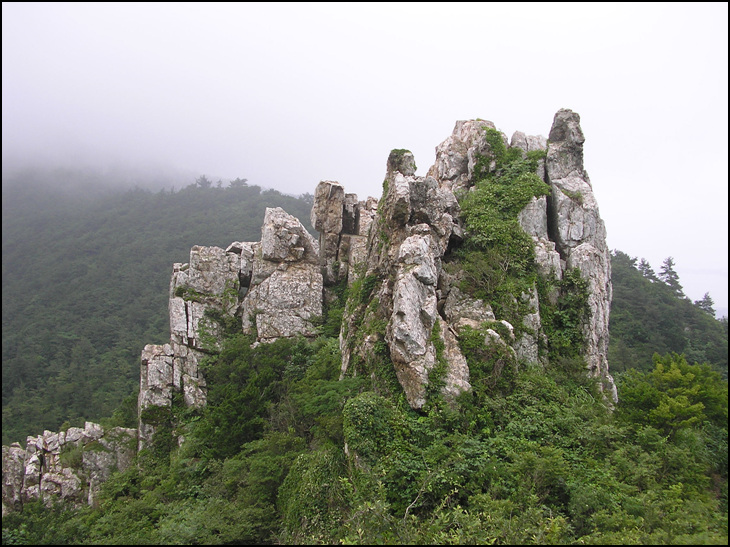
201,290
457,156
285,294
580,235
417,224
404,308
414,225
343,223
70,465
272,288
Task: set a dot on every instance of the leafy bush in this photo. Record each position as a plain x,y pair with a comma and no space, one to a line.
497,257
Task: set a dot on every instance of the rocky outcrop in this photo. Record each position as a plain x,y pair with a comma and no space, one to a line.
457,156
70,465
580,236
405,307
343,223
271,288
418,223
202,292
285,294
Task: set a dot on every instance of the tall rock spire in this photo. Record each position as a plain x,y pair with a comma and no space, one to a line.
580,235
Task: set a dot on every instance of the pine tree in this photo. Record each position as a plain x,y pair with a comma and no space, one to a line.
706,304
646,270
670,277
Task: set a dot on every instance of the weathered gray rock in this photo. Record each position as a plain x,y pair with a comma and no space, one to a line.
285,304
284,239
212,271
157,376
328,207
352,256
70,465
398,199
417,219
457,372
457,156
534,220
527,346
565,147
285,295
414,314
401,161
246,251
210,282
13,477
581,236
460,310
343,223
528,143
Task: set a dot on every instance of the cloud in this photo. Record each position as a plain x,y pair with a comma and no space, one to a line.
286,95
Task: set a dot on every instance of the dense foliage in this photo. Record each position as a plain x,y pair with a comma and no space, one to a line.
311,459
498,256
649,314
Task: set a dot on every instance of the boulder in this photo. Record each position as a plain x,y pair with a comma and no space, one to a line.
285,296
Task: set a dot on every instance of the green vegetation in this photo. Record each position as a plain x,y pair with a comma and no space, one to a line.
648,316
563,322
362,313
286,452
85,283
497,257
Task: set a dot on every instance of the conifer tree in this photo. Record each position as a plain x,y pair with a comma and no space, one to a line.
670,277
706,304
646,270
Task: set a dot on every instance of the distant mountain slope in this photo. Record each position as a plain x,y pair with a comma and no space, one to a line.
85,276
647,317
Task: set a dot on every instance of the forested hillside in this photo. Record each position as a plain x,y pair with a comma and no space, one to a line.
85,277
650,314
531,456
287,451
86,274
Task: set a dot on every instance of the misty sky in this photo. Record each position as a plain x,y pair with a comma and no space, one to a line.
286,95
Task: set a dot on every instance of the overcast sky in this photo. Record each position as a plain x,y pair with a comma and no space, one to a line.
286,95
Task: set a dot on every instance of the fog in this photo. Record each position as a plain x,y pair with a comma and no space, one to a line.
286,95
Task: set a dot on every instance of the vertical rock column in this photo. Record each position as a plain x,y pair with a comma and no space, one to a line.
210,282
343,224
415,221
327,219
580,236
